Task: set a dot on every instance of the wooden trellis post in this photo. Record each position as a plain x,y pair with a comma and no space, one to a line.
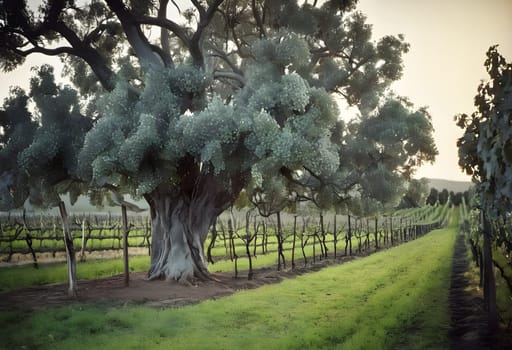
125,246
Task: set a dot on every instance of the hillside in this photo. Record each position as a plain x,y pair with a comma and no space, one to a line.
455,186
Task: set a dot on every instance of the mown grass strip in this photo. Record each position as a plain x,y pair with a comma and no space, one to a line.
396,298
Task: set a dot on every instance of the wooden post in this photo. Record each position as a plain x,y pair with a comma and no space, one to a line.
335,236
376,234
125,246
70,251
232,246
489,279
349,236
279,234
391,230
294,239
213,238
82,250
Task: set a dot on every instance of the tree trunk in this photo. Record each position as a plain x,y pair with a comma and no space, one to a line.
180,219
177,245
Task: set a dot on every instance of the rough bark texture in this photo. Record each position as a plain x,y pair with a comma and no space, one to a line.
180,219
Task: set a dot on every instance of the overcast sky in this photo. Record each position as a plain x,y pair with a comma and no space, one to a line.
443,68
449,39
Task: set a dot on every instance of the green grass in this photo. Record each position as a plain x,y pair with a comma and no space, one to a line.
394,299
26,276
14,277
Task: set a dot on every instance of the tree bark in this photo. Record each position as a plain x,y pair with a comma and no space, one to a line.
177,245
70,251
180,219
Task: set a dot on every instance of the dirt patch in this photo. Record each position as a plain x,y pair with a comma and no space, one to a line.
469,330
152,293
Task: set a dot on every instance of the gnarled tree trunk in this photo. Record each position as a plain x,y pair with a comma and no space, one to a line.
180,219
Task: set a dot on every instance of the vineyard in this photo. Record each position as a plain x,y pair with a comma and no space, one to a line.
237,236
501,257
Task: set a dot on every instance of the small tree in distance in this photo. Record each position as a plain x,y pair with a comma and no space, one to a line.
232,95
432,197
444,196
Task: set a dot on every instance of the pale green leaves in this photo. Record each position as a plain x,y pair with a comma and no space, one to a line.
294,92
144,139
288,51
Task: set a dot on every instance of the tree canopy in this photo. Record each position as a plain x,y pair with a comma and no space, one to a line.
186,103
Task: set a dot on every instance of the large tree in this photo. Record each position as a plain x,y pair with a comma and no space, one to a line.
186,103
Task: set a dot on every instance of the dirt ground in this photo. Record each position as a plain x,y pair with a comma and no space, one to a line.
151,293
469,329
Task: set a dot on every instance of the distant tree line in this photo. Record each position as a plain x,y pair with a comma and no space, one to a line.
419,194
444,196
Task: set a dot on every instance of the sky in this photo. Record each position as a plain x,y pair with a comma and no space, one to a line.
448,38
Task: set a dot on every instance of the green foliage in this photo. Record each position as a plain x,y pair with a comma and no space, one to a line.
432,197
46,156
485,147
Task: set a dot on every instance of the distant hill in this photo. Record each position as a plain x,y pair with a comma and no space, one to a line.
455,186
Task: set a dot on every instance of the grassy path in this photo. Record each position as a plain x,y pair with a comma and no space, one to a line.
396,298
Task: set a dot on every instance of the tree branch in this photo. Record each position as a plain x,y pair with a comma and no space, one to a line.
224,56
205,16
95,34
164,35
50,52
88,54
202,11
230,75
259,22
167,24
134,34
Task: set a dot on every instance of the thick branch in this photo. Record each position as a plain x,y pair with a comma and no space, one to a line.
134,34
89,55
205,16
164,35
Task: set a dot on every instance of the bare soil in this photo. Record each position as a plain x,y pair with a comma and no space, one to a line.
157,293
469,330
